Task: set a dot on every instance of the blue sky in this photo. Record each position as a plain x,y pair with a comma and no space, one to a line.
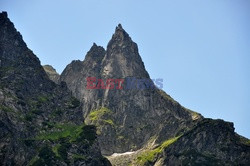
200,48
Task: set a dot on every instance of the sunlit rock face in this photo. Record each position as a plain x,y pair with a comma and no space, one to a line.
52,74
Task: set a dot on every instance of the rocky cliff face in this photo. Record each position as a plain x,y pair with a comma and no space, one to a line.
52,74
126,118
41,123
146,123
210,142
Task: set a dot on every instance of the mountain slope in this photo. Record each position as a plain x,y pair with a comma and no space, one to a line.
141,125
126,118
210,142
41,123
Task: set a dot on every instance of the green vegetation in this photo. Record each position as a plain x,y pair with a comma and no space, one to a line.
109,121
74,102
96,114
244,140
55,149
101,115
194,114
78,157
63,136
42,99
6,109
33,160
149,155
73,133
62,131
46,157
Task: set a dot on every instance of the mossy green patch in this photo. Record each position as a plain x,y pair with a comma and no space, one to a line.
244,140
96,114
74,133
149,155
63,137
42,99
102,115
78,157
109,121
60,131
55,149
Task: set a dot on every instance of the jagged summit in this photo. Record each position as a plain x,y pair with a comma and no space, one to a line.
122,57
95,53
120,37
9,31
119,28
4,14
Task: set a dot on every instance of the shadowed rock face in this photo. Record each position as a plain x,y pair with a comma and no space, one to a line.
41,123
135,116
210,142
52,74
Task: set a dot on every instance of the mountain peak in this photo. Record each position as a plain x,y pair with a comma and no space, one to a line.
4,14
94,45
9,32
120,35
119,27
96,52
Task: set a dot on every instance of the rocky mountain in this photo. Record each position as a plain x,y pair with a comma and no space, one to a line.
126,118
41,123
106,104
139,124
51,72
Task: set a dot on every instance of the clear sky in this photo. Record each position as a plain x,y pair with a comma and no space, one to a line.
200,48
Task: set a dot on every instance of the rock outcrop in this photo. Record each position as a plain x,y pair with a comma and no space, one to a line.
51,72
210,142
41,123
126,118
